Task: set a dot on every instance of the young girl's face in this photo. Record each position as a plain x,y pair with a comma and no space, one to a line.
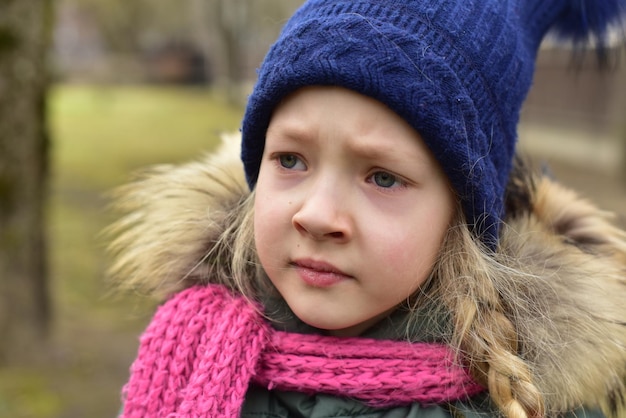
351,208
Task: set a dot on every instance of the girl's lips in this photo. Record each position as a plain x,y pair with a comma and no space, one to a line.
319,273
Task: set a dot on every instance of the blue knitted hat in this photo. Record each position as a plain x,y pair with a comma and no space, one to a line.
456,70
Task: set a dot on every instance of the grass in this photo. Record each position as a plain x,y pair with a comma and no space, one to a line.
122,128
100,136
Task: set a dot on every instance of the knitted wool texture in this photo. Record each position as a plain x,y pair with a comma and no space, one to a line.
456,70
204,346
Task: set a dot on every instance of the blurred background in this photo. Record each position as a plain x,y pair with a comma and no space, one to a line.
93,90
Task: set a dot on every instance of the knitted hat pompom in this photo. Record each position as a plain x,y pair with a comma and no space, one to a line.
582,18
457,71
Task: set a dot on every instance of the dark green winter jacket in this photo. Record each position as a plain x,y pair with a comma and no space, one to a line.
261,403
431,326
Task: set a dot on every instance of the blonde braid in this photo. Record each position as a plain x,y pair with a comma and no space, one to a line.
467,281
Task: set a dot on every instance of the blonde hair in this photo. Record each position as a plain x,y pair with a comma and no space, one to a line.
465,279
469,281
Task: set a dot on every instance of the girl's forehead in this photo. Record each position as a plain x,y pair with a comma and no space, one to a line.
326,104
366,126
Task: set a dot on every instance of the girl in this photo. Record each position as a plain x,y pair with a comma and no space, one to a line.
386,254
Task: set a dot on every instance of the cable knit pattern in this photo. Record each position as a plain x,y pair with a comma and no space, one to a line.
205,345
456,71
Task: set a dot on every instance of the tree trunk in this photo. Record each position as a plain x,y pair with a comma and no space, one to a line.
231,22
24,297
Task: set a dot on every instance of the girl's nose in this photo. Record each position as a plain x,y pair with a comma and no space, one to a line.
324,213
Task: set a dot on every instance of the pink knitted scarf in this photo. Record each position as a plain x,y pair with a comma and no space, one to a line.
205,346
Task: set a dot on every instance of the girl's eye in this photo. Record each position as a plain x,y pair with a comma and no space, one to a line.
384,179
290,161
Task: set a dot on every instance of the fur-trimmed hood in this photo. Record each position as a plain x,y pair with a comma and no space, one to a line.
570,316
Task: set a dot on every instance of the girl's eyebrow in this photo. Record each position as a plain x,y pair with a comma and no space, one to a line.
371,149
379,150
289,131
